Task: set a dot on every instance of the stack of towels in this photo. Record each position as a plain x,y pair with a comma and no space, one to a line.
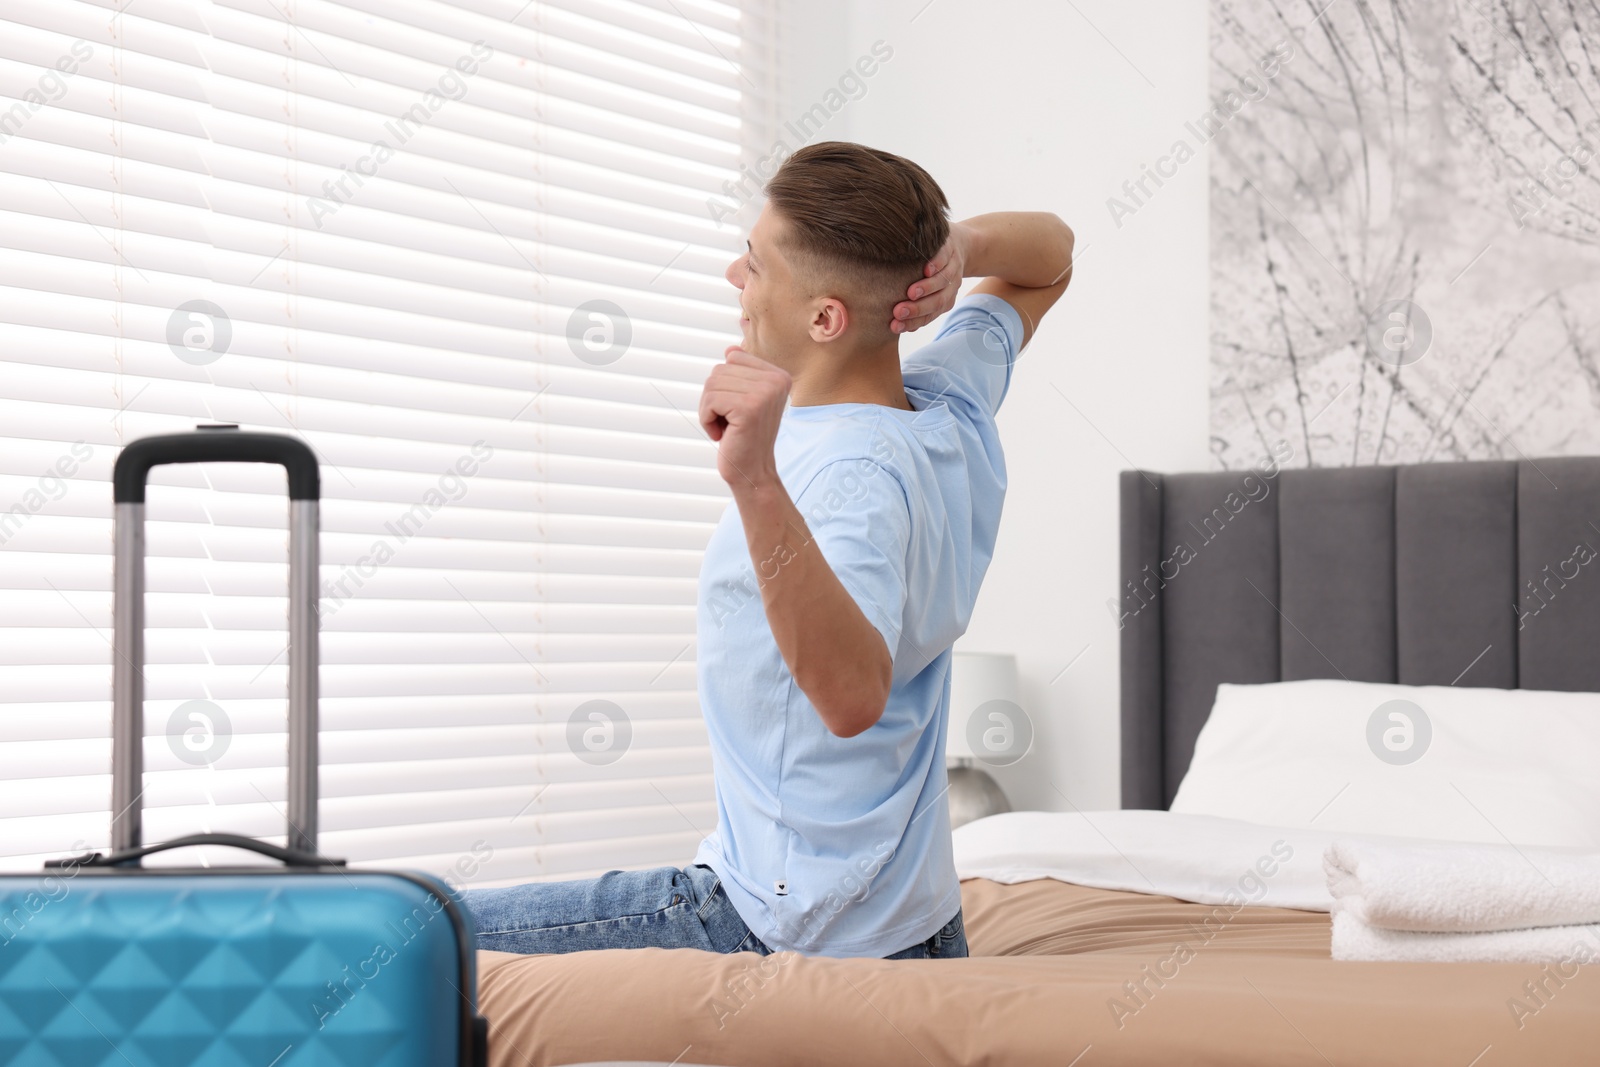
1463,903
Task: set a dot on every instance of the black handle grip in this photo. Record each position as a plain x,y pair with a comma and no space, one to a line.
288,857
215,444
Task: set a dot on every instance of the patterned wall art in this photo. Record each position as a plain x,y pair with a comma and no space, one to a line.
1405,230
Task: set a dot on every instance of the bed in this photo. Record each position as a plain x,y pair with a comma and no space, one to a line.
1413,575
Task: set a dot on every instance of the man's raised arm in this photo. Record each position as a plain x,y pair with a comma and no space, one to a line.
1023,257
838,658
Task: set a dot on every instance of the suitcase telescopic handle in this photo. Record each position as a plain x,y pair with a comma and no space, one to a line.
212,444
215,444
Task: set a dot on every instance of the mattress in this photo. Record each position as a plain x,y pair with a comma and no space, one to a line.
1060,974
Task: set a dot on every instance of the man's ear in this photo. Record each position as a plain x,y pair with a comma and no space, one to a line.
829,319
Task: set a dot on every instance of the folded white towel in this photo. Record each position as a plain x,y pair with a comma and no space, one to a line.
1569,946
1449,887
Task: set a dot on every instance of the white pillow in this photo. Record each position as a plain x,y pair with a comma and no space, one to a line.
1492,765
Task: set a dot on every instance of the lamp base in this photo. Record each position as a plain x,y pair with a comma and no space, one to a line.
974,795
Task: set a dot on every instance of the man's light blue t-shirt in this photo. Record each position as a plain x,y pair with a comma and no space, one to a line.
841,846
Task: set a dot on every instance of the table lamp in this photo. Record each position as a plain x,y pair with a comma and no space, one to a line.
976,679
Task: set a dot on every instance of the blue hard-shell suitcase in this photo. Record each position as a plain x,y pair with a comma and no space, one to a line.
104,962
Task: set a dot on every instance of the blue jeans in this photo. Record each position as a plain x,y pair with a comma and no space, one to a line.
664,907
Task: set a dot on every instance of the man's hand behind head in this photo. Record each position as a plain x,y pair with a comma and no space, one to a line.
935,292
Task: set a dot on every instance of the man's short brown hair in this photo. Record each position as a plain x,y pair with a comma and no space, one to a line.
860,218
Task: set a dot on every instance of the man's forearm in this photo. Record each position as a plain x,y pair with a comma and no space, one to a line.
836,655
1032,249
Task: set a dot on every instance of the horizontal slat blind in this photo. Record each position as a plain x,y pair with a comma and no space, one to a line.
378,225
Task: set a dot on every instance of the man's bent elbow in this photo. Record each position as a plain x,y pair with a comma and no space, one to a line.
1068,244
856,713
851,721
850,697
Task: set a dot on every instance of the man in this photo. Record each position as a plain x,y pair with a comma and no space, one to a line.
866,499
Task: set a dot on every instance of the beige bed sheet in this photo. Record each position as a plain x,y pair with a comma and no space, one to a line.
1060,974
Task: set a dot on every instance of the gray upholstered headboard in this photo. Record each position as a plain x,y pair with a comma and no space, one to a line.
1480,574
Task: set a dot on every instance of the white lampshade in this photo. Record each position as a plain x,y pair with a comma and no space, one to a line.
975,679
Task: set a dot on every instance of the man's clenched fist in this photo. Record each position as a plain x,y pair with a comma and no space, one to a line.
740,408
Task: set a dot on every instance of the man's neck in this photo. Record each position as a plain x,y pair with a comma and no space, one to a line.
867,377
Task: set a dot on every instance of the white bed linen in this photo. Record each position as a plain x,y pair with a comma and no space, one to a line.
1199,858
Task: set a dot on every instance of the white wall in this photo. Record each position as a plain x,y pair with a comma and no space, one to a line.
1027,104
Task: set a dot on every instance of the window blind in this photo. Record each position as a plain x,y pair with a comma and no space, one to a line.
464,251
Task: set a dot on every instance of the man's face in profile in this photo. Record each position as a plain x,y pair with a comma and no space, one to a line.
774,308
